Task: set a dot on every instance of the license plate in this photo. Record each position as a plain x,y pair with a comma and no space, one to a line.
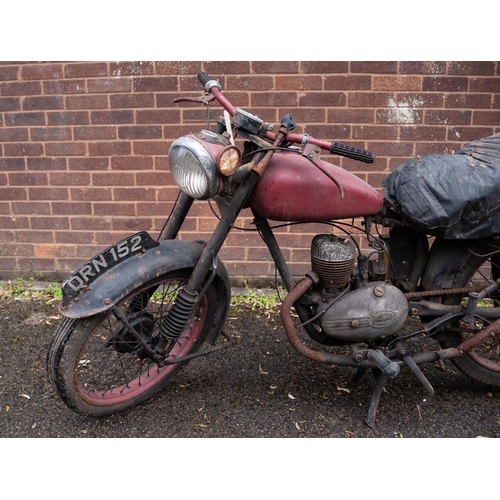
102,262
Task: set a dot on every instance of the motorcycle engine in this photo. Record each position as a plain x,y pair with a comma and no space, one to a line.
372,311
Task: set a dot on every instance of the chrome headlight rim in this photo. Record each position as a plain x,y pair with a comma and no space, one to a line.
205,161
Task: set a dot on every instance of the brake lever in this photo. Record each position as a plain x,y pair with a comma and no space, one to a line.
202,100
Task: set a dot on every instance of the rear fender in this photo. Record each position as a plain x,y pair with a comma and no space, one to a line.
120,280
446,258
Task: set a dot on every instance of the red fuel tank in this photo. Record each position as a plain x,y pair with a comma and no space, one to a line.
294,189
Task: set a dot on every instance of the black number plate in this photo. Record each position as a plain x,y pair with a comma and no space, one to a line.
104,261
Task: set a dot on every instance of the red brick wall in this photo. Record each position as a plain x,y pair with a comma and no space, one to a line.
83,145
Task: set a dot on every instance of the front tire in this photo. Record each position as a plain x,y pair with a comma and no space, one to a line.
96,365
481,268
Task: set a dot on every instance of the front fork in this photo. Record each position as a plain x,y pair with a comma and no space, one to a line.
177,319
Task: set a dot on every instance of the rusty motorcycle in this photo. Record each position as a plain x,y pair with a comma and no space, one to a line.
135,314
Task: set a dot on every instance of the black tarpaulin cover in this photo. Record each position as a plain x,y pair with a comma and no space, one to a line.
452,196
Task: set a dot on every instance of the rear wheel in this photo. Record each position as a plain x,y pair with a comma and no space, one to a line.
480,269
98,367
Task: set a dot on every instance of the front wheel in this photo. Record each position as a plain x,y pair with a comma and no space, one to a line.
98,367
481,268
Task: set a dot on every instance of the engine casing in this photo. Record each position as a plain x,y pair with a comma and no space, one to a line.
372,312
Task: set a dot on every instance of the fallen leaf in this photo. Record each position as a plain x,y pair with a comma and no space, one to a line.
343,389
299,428
290,396
262,371
7,408
24,396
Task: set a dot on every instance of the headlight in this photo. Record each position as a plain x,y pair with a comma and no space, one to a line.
193,168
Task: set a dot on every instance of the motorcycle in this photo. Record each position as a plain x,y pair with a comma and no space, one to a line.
135,314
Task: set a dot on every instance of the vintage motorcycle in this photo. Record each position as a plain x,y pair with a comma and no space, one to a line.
138,312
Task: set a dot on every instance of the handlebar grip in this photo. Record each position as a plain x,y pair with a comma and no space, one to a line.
203,78
351,152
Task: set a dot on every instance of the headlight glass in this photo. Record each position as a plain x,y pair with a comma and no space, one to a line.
193,168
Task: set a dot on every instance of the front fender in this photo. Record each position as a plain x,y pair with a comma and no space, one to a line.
120,280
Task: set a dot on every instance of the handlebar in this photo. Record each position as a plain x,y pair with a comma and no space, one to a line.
212,86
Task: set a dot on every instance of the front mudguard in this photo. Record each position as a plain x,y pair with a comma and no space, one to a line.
128,275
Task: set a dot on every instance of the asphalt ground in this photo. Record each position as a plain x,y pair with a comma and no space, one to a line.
258,388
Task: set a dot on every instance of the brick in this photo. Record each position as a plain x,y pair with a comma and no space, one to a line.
111,117
83,70
109,148
422,133
274,99
12,164
88,163
68,118
298,82
132,68
94,133
151,148
41,72
275,67
140,132
3,180
486,118
23,149
91,194
14,134
158,116
448,117
115,209
36,103
142,100
20,88
445,84
69,179
368,132
65,149
48,193
177,68
485,84
468,134
373,67
94,223
73,237
253,83
51,134
113,179
49,223
329,132
24,118
14,222
400,115
10,193
28,179
46,163
86,102
64,87
134,194
131,163
227,67
397,83
10,104
348,82
471,68
102,85
324,67
323,99
73,208
344,115
155,84
31,208
468,101
422,68
8,72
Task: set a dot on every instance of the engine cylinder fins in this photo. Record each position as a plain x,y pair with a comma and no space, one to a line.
332,259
